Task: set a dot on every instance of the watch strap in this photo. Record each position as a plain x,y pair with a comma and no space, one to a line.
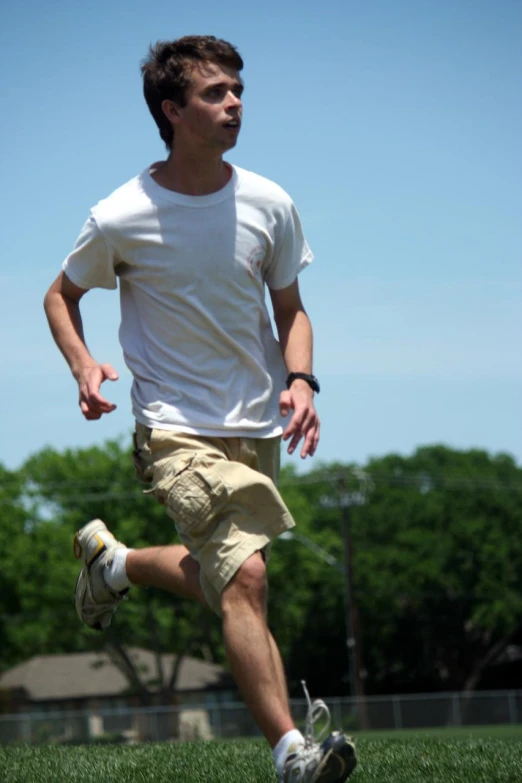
303,376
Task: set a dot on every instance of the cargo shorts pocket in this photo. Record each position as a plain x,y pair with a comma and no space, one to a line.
193,496
140,465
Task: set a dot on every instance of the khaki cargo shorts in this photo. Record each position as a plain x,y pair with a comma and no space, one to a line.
221,494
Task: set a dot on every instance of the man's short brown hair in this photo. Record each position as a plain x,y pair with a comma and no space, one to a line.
166,72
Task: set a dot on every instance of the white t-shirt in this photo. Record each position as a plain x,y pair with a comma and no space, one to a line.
195,330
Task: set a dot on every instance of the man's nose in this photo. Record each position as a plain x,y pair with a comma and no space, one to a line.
233,99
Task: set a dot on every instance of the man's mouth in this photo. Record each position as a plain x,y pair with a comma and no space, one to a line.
232,124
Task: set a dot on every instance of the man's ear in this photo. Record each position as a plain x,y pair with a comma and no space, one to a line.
170,110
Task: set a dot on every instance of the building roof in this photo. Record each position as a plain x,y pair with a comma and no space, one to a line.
93,674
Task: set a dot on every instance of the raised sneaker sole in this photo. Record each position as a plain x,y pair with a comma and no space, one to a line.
339,761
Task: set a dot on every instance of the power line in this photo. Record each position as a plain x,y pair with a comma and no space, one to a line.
425,482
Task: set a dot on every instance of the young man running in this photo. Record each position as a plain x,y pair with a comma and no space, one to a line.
193,241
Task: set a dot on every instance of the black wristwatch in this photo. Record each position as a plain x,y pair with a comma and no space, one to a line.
303,376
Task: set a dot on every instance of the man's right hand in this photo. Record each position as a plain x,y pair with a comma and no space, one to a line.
92,404
62,307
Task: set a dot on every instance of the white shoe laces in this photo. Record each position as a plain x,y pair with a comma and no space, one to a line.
317,711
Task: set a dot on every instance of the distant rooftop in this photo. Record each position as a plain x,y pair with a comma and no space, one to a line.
93,674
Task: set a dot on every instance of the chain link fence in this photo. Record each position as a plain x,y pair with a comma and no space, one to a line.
222,721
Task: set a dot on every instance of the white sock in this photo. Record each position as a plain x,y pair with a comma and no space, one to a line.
284,746
115,575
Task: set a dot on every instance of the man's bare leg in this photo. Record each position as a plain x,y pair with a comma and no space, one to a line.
169,568
280,669
252,653
251,649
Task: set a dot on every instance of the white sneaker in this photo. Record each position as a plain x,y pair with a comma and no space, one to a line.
95,602
331,761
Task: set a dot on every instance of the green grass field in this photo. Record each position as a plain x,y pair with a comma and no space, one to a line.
501,732
456,757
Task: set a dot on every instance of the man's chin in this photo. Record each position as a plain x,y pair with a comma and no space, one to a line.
229,145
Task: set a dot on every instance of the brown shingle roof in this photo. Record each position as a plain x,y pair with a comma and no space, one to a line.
88,675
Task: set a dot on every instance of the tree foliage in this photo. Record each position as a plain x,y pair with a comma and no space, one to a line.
79,485
436,569
439,566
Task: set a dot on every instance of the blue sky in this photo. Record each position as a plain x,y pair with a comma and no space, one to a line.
396,128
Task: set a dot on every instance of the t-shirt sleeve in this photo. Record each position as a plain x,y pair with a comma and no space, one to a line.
291,252
92,260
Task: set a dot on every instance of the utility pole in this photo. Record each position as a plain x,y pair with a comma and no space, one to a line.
344,500
353,641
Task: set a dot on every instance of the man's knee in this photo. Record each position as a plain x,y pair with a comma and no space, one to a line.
248,585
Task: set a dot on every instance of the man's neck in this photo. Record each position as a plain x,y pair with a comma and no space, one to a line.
192,176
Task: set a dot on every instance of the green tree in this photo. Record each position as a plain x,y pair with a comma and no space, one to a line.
441,536
306,594
68,490
437,571
13,518
35,583
437,568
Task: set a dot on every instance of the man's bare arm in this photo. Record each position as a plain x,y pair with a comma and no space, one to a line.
296,339
62,307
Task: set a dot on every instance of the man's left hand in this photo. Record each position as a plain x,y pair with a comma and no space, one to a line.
304,422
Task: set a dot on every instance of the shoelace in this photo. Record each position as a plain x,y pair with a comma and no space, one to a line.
317,710
310,751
